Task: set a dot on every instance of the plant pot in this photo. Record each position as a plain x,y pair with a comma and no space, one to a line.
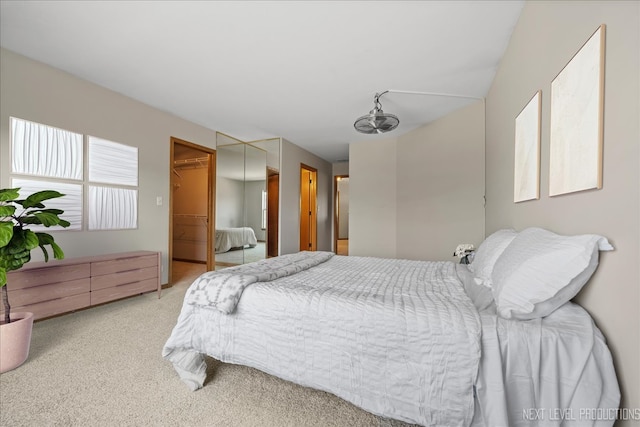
15,339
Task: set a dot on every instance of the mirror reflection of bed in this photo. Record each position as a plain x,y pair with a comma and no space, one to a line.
242,199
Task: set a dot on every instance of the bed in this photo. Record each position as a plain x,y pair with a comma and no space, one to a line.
236,237
425,342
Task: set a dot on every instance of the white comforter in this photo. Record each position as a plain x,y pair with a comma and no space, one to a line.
398,338
227,238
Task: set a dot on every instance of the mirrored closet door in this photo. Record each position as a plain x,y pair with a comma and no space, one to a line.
242,201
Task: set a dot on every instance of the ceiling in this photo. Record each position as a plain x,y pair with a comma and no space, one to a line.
303,70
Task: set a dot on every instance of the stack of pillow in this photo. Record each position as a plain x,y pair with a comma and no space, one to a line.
533,272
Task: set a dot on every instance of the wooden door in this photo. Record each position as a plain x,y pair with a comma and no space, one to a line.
308,211
273,188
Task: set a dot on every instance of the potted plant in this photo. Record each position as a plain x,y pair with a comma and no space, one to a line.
16,243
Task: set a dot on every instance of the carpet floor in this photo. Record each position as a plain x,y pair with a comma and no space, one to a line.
102,367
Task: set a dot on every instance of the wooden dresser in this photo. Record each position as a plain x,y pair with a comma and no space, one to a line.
55,287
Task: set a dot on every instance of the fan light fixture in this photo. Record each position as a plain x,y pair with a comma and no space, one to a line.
377,121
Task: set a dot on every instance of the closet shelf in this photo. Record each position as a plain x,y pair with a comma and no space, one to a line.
198,162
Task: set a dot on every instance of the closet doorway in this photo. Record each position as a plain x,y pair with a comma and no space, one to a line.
192,207
308,210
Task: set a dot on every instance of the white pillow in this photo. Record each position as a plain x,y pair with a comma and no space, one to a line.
540,271
487,255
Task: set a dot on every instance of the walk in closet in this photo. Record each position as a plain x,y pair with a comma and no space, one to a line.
189,183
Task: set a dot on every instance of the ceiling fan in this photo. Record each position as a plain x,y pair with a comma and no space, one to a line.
377,121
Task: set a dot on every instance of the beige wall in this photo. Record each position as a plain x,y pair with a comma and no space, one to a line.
418,196
340,168
372,197
439,200
291,158
33,91
546,37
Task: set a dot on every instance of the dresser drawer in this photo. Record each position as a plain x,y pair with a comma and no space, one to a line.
123,277
36,294
25,278
122,291
123,264
54,307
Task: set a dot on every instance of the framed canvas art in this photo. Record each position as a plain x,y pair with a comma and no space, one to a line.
576,133
526,177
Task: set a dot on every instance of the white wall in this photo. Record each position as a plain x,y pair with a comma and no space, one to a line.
372,186
440,200
547,35
229,202
33,91
417,196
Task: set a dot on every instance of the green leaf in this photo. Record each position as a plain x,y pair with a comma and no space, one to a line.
31,240
18,263
6,233
57,251
36,199
54,211
30,219
19,253
7,194
3,277
44,238
46,254
7,210
47,219
17,242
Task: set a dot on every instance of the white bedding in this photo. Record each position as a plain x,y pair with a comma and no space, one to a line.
403,339
551,371
397,338
238,237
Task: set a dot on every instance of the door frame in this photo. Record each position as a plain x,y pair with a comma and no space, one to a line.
211,201
312,187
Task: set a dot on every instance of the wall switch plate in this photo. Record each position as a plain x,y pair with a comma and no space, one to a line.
159,201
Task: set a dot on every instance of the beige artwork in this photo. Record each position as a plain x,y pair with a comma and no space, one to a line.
575,158
526,177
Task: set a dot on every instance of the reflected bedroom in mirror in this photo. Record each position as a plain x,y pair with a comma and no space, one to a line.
246,225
